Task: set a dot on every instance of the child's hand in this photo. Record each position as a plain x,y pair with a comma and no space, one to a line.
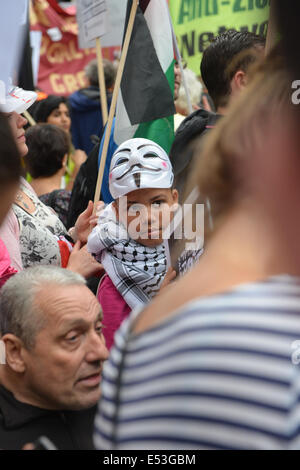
83,263
87,221
94,218
169,277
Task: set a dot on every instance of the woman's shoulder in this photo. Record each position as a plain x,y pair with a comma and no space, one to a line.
27,188
266,301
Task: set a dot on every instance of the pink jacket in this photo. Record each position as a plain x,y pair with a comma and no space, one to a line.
6,271
114,307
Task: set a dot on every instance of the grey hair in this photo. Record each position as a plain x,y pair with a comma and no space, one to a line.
195,90
91,71
20,313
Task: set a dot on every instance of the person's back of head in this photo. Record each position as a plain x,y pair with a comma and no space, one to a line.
91,71
48,145
224,57
250,153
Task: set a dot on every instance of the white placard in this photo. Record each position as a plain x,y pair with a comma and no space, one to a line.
11,37
92,19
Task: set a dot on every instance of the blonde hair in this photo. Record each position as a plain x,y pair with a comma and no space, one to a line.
220,169
195,90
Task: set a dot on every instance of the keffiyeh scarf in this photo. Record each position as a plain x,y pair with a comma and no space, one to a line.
136,271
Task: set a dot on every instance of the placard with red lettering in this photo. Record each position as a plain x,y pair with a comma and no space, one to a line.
61,70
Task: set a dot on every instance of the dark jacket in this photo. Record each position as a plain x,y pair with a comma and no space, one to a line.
86,117
21,424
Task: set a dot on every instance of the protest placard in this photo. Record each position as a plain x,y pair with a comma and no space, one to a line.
61,68
92,19
197,22
12,16
116,16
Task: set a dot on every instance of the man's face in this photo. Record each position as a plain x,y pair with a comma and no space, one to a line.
147,213
63,369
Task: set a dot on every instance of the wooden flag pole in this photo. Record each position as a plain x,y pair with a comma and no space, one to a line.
114,100
29,118
101,77
273,33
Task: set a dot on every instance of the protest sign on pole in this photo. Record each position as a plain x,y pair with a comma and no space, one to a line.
197,22
92,21
116,15
114,100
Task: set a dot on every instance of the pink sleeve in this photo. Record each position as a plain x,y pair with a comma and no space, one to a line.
114,307
6,271
10,234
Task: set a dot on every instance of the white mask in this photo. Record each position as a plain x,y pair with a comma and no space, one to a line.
139,164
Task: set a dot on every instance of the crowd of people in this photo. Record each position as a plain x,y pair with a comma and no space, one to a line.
107,345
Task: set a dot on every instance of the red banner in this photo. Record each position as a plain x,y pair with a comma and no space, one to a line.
61,70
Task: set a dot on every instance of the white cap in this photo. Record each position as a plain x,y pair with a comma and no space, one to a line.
18,100
139,164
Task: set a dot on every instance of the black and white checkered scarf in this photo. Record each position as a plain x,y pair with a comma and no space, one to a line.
136,271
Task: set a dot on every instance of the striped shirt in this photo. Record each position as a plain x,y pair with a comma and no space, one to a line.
221,373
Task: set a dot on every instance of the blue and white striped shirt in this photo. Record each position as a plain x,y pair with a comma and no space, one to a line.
221,373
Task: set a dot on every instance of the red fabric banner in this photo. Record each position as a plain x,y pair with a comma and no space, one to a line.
61,70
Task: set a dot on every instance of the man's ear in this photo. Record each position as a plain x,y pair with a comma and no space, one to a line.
14,353
239,81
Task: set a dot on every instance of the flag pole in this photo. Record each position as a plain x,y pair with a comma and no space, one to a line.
29,118
179,60
114,100
101,77
273,32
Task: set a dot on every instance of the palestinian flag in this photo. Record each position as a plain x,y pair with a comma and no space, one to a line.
145,105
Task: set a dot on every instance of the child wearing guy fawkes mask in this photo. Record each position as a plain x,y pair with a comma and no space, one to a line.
128,240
